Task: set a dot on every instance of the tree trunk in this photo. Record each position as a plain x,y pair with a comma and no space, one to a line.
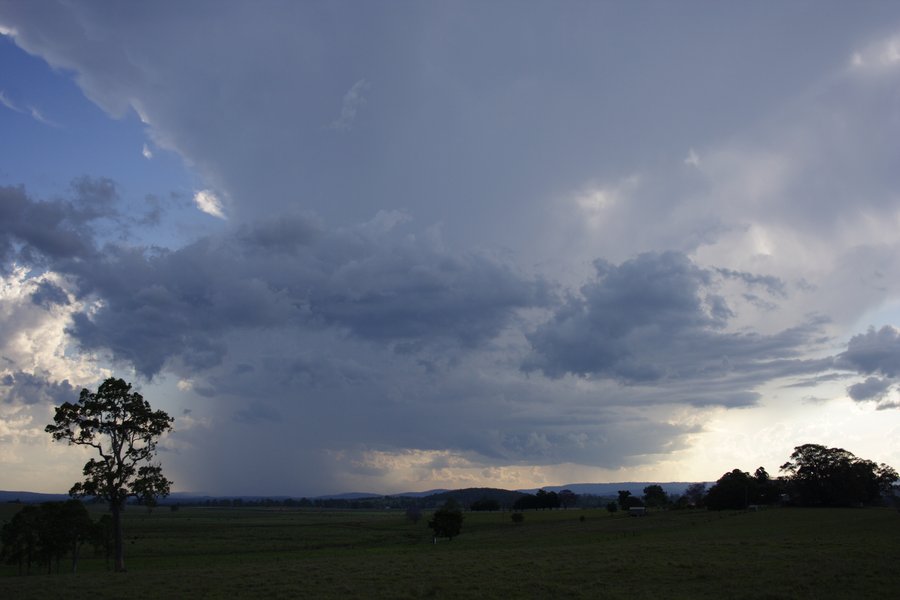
75,547
118,535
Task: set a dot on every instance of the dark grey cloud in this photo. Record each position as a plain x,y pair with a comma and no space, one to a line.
658,318
407,295
873,352
47,294
370,281
284,235
257,412
38,232
873,388
30,388
466,411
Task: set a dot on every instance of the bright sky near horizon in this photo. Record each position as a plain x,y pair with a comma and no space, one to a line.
396,246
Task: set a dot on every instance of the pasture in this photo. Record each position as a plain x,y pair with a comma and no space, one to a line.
302,553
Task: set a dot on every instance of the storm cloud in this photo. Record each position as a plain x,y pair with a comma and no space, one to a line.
371,281
30,388
658,318
456,244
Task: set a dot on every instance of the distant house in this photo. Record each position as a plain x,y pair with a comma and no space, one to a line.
638,511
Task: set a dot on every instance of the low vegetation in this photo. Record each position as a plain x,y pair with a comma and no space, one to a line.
200,552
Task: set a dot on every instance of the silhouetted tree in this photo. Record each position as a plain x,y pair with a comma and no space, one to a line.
567,498
542,499
120,425
547,499
21,538
694,494
528,501
626,500
655,496
447,520
767,490
78,528
731,491
46,533
818,475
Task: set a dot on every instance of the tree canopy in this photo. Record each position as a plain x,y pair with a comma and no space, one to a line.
626,500
820,476
540,500
124,430
655,496
447,520
815,475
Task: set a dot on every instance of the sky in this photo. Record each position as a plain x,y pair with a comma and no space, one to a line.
398,246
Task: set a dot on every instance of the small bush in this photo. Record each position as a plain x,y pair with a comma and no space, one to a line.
517,518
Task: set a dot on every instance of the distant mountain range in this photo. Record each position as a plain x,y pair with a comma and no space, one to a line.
597,489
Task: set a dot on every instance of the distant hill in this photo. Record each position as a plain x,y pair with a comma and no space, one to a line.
612,489
465,497
31,497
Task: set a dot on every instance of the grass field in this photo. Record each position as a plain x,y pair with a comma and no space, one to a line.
292,553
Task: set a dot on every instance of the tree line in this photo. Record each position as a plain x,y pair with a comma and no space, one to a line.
815,475
44,534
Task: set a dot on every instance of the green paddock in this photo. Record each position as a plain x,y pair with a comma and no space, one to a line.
199,552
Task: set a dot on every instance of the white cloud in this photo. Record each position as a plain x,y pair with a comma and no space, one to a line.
692,159
148,154
5,101
209,203
32,111
40,118
596,200
353,100
32,337
883,54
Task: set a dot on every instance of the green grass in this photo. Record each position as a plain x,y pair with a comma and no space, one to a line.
280,553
